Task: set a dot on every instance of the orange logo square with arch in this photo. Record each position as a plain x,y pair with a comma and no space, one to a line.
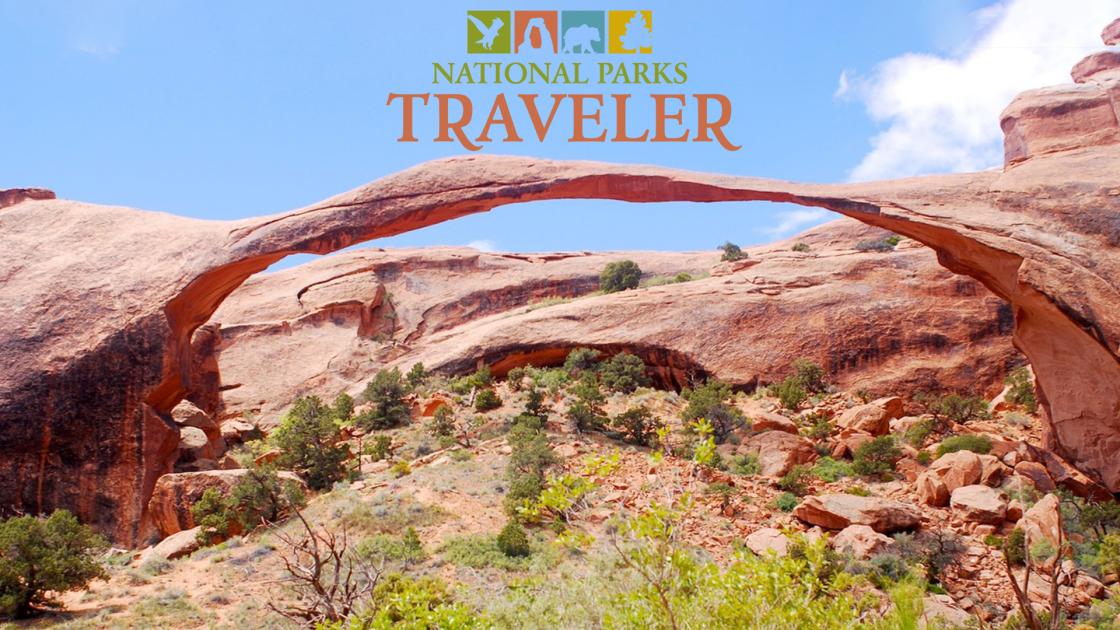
630,32
536,32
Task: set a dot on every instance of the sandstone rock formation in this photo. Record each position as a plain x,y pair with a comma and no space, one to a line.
838,511
102,302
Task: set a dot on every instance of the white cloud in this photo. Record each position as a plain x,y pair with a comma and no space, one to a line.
841,85
789,221
942,112
483,245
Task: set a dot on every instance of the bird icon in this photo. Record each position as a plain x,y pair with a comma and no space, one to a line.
489,33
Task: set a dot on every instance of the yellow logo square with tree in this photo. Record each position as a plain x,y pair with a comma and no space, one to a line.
630,32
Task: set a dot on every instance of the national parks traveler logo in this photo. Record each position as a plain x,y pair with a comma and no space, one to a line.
567,32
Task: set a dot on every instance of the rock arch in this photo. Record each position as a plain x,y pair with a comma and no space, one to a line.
96,338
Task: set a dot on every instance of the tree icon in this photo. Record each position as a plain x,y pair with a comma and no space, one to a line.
637,35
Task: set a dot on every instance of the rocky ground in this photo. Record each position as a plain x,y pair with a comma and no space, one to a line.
967,501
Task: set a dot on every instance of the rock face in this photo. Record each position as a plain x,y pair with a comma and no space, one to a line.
330,325
97,331
838,511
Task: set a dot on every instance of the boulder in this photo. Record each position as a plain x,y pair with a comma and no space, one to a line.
931,490
238,431
765,421
862,542
1041,521
962,468
174,546
194,445
939,610
991,470
1036,474
837,511
874,417
778,451
979,504
174,494
186,414
767,540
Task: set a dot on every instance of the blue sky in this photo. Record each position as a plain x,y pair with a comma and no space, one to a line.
226,110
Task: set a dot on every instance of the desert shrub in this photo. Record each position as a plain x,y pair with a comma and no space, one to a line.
731,252
213,516
809,376
975,443
1099,518
800,247
586,413
486,400
416,375
919,432
551,380
479,379
515,377
924,458
443,422
310,444
343,407
638,426
43,557
709,401
1022,389
1013,546
386,391
796,480
746,465
858,490
405,603
513,541
581,360
560,498
380,448
401,468
406,549
881,245
261,496
830,470
481,552
790,393
961,409
786,501
934,550
682,277
820,427
877,457
620,276
624,373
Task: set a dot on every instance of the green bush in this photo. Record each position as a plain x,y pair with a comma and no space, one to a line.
809,376
820,427
790,393
443,422
406,549
831,470
380,448
710,401
800,247
480,379
310,444
405,603
624,373
882,245
213,516
416,375
481,552
919,432
343,407
582,360
1022,390
529,458
746,465
877,457
515,377
731,252
638,426
486,400
259,496
1014,548
786,501
975,443
42,557
386,391
682,277
586,413
924,458
796,480
961,409
401,468
620,276
513,541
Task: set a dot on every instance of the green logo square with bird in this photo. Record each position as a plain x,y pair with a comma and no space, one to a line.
488,32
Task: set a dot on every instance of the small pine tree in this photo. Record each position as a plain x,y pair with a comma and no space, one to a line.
343,407
386,391
731,252
443,422
486,399
624,373
44,556
310,444
416,376
513,541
